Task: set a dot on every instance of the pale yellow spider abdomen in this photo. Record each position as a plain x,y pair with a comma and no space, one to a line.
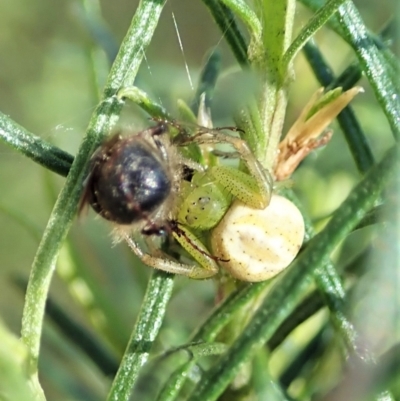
259,243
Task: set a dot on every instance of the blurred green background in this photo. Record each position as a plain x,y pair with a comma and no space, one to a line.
46,85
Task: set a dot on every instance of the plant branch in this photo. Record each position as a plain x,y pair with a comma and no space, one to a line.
143,336
103,119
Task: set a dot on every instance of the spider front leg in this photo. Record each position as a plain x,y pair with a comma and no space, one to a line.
254,189
208,266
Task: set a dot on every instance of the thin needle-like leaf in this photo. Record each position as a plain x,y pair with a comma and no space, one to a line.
316,22
147,326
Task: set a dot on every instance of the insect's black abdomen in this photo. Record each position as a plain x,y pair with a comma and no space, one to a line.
127,181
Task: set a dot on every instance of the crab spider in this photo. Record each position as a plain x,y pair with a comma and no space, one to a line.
137,182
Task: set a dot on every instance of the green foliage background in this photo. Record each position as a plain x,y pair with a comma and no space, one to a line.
47,86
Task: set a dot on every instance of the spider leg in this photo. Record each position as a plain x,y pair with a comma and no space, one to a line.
166,264
262,177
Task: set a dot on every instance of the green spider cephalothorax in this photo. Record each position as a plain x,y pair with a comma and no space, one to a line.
139,181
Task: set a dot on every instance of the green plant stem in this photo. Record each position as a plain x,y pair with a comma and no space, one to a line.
175,382
262,119
247,15
55,232
148,324
132,50
139,97
307,356
207,81
267,59
316,22
271,31
34,147
331,288
372,63
330,285
374,60
223,313
327,278
312,304
229,28
248,119
103,119
347,79
282,298
208,331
